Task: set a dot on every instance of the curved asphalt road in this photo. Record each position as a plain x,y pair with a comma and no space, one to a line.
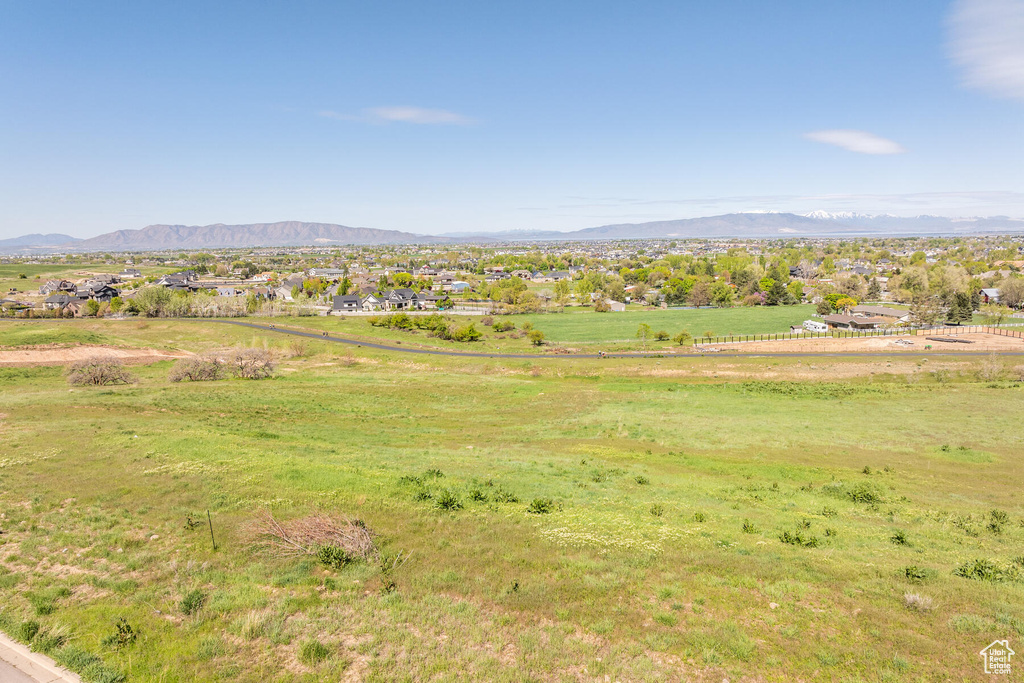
528,356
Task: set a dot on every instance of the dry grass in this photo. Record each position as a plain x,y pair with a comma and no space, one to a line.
306,535
917,602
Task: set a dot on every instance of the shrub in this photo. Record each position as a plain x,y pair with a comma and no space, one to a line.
602,306
864,493
298,348
123,636
478,496
333,556
433,473
657,509
206,368
915,574
192,602
899,537
466,333
828,512
312,652
422,495
748,527
504,326
661,335
699,517
503,496
642,480
488,321
799,539
541,506
98,372
447,500
253,364
536,337
986,570
831,532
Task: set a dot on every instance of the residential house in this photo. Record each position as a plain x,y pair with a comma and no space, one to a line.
990,295
58,301
346,304
130,273
55,286
99,291
372,302
458,286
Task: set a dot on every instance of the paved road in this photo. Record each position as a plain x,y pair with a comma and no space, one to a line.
529,356
18,664
8,674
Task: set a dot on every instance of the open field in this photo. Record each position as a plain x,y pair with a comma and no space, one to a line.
583,325
671,484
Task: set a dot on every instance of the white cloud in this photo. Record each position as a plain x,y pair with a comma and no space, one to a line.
986,41
856,141
417,115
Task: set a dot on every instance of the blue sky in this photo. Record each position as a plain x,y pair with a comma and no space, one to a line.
471,116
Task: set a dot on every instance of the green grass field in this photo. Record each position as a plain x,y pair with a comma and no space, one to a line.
583,325
671,484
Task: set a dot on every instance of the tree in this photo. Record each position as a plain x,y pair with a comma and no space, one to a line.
960,309
874,290
925,310
682,338
116,304
562,290
643,333
700,294
661,335
795,289
823,307
845,303
776,293
995,314
722,294
536,337
92,307
1011,292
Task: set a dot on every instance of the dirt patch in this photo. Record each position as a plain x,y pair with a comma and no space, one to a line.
981,343
28,356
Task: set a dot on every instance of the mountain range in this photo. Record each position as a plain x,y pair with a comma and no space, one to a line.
295,233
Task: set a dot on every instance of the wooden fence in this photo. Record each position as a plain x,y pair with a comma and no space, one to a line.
855,334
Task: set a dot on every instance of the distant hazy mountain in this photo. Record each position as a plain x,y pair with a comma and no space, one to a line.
743,225
818,224
37,240
284,234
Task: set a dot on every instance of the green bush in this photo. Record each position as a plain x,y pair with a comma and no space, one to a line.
796,538
657,510
447,500
478,496
333,556
915,574
642,480
699,517
899,537
123,636
987,570
541,506
192,602
748,527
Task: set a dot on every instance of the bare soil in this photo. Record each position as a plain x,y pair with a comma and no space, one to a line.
981,342
28,356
